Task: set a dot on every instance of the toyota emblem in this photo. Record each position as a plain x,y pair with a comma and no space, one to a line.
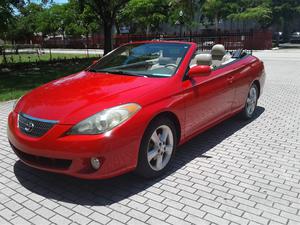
29,127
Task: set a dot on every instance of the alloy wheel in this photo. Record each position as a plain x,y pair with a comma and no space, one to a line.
251,100
160,147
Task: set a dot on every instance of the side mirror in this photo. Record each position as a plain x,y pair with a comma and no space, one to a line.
202,70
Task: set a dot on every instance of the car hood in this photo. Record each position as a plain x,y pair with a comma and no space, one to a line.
73,98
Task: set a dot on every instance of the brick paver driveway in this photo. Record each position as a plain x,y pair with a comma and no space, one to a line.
236,173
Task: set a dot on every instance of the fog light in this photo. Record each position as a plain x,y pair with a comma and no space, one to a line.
95,162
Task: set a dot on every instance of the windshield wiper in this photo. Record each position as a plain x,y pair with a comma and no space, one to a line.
109,71
122,72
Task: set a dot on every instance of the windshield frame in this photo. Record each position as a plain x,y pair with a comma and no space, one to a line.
133,73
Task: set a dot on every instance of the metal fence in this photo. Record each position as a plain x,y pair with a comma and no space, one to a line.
255,40
36,54
232,41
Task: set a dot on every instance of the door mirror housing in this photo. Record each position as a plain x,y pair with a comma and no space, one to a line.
203,70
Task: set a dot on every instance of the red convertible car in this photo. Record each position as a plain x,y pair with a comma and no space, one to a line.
131,109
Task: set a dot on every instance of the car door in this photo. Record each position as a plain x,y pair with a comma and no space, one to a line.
244,71
207,99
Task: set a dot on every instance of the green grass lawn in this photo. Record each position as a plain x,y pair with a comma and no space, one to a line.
17,81
23,58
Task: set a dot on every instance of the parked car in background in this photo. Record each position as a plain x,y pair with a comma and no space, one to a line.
277,37
295,37
131,109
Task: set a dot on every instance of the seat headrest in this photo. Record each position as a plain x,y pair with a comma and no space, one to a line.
165,60
203,59
218,50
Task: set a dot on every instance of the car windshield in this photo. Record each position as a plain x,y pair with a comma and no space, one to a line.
143,59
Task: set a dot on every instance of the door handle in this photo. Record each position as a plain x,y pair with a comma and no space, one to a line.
230,79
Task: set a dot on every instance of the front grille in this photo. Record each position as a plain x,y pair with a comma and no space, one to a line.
41,161
34,127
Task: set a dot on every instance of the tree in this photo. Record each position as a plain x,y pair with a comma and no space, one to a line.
284,11
61,17
46,23
146,14
7,8
257,10
214,10
25,23
89,20
56,19
84,21
11,12
52,19
106,10
188,9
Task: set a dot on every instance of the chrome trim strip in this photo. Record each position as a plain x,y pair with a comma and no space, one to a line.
37,119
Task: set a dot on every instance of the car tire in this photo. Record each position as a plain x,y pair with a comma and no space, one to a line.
251,103
157,148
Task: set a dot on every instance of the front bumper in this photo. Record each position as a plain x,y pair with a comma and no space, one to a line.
70,154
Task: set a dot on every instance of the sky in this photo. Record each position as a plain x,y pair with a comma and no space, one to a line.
60,1
54,1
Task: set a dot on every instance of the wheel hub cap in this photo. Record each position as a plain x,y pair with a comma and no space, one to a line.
160,148
251,100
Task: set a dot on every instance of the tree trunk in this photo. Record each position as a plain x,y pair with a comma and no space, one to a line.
87,44
117,27
107,37
63,36
216,23
3,55
286,30
147,29
50,54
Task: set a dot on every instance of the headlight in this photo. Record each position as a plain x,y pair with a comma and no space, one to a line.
16,103
106,119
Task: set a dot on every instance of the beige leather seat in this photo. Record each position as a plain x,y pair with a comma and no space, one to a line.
203,59
217,52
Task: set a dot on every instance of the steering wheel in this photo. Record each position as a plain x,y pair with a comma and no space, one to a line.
171,65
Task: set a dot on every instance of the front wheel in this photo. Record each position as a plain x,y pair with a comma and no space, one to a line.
251,103
157,148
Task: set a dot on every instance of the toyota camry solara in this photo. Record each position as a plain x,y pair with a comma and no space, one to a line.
131,109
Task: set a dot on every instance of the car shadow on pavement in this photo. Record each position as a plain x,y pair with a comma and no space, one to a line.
105,192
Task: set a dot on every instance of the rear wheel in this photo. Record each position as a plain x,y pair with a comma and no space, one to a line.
251,103
157,148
